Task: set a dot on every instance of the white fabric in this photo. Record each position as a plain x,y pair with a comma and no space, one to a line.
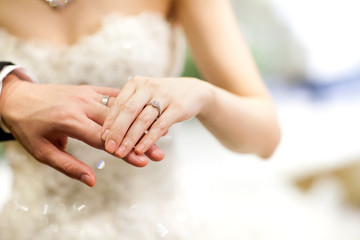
29,76
4,72
127,202
124,46
200,191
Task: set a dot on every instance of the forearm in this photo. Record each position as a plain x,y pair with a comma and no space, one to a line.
242,124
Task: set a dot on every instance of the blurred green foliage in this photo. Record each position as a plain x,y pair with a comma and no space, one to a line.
190,69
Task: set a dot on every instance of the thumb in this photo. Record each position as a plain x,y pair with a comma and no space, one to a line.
68,164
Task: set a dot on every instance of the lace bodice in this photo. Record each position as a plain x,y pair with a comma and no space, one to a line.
145,44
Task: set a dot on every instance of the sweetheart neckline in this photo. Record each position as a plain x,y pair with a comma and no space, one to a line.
84,38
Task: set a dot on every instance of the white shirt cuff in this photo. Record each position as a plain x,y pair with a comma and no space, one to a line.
20,72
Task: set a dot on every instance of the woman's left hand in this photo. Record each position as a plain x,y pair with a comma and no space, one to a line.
135,111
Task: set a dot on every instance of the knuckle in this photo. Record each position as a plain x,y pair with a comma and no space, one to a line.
119,104
178,106
111,102
42,155
149,82
130,140
152,84
109,121
180,110
162,126
85,86
130,108
81,97
116,132
67,166
150,139
146,118
103,113
39,155
67,117
136,79
166,94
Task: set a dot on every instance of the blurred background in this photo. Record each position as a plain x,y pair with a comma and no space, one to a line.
308,52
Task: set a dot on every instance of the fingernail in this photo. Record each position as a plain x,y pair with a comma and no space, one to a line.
85,179
121,150
110,146
105,134
142,160
139,148
158,151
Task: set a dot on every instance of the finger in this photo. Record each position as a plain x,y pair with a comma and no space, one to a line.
136,130
167,131
155,153
85,130
111,102
157,130
127,114
125,94
114,92
98,111
67,164
137,160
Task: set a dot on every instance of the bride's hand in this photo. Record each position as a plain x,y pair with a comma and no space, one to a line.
42,117
152,104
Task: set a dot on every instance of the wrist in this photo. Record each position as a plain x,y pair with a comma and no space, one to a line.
207,100
8,85
10,75
11,87
11,90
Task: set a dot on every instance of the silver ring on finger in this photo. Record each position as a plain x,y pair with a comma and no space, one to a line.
156,105
105,100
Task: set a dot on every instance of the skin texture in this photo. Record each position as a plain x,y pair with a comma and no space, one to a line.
235,106
239,98
128,119
45,116
34,19
40,131
233,103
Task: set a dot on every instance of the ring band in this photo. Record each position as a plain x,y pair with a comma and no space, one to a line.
156,105
105,100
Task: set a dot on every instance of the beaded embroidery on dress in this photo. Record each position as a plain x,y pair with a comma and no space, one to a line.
127,202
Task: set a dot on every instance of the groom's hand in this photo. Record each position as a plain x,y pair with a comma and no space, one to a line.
42,117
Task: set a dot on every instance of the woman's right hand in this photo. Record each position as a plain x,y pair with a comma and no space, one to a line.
42,117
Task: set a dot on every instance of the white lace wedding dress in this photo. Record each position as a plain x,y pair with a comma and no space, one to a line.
127,202
239,196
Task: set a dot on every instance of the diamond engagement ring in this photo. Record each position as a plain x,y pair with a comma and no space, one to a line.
156,105
105,100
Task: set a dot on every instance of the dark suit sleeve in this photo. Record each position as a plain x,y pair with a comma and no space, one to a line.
4,64
3,135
